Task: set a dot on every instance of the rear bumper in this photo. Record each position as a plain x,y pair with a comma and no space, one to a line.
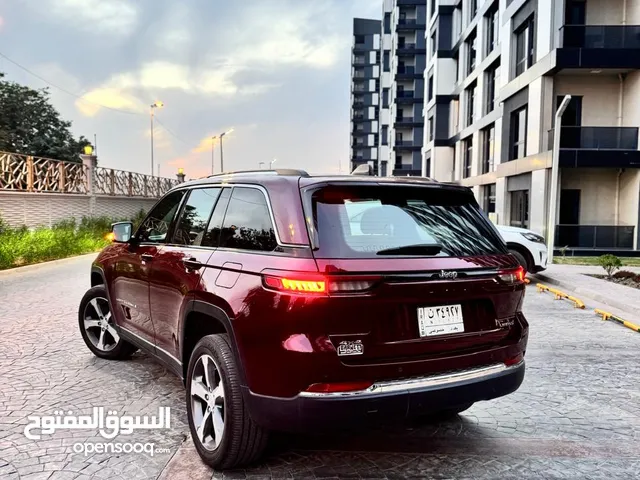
385,401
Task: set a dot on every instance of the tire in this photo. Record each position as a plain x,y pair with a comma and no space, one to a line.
522,261
97,326
241,441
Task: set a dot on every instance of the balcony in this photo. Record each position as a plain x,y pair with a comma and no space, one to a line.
599,46
409,24
595,237
408,122
408,96
615,147
408,73
408,145
409,49
360,48
406,171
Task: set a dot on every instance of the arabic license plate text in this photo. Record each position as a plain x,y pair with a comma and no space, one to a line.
443,320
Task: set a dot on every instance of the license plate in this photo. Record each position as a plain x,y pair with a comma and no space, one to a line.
443,320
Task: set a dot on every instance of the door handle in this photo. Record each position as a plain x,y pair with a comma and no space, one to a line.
147,257
192,264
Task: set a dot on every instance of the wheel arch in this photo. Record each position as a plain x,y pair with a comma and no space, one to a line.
201,319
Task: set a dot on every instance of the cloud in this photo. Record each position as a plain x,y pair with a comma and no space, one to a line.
114,17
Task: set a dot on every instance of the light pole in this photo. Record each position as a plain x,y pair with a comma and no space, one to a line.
154,105
221,152
213,142
551,225
271,163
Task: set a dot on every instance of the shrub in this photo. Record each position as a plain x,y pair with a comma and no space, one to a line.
610,263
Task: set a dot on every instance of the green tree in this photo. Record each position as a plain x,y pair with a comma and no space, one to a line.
30,125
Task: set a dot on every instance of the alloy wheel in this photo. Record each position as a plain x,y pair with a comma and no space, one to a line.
208,402
98,324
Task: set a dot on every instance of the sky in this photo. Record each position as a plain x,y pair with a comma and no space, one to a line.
276,71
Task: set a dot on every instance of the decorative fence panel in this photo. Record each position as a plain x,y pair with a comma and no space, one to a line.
33,174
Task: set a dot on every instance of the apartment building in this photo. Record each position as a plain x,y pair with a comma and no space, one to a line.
365,93
495,74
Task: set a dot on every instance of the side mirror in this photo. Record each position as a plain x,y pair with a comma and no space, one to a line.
122,232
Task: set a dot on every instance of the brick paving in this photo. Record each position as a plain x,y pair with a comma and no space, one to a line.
577,414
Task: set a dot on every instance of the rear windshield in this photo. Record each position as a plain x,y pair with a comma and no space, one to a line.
378,221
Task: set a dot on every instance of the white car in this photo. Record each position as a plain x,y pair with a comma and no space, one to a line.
528,247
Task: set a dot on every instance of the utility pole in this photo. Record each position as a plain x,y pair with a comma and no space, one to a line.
553,201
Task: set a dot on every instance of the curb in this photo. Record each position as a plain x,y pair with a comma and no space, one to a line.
615,318
560,295
33,266
186,465
590,294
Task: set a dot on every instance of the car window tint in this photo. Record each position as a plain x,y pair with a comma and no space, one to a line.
155,227
247,224
212,236
192,224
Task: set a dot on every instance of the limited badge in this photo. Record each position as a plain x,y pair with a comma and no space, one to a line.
350,348
505,323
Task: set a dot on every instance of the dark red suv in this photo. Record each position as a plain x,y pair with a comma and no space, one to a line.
291,302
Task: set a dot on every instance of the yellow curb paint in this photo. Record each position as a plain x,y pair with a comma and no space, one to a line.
621,321
560,295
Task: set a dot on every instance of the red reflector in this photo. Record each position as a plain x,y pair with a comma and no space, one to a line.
338,387
513,361
302,285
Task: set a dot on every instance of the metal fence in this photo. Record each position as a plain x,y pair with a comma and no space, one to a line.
26,173
595,236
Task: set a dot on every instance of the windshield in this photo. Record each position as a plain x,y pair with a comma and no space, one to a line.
382,221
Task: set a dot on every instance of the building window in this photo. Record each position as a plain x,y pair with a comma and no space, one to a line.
489,198
387,22
492,78
385,135
520,209
473,9
488,148
518,134
386,61
493,28
430,88
472,52
525,46
468,152
470,101
359,39
433,7
427,168
430,129
456,59
434,40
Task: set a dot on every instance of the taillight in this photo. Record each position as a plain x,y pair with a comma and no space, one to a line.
338,387
513,277
297,285
319,285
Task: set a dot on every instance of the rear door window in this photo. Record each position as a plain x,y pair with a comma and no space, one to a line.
192,225
379,221
247,223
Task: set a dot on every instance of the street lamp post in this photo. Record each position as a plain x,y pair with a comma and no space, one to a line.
213,142
221,152
271,164
551,225
151,115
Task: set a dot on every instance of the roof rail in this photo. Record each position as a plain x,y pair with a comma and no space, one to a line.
278,171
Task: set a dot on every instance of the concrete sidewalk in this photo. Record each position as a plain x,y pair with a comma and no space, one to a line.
596,293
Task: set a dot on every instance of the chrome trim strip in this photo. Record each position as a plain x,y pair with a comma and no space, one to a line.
417,383
150,344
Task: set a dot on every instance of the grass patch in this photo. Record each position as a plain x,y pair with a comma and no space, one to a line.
22,246
594,261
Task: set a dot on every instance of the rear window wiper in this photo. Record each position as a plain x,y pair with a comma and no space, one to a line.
418,249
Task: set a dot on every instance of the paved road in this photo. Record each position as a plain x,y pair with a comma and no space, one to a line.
576,416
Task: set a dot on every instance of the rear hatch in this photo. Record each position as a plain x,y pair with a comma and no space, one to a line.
413,271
